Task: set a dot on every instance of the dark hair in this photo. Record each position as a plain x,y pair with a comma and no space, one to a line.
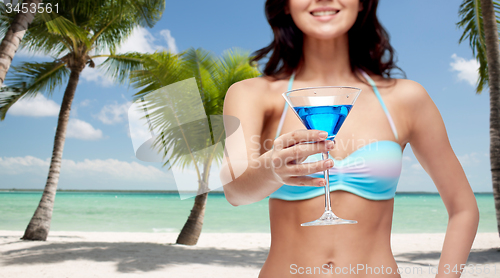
369,47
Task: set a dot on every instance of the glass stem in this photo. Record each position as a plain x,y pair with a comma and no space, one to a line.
328,205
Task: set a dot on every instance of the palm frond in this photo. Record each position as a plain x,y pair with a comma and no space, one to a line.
89,7
148,11
112,22
200,64
91,25
65,27
38,39
191,143
112,36
234,66
145,13
177,112
121,66
173,112
109,32
6,19
471,22
29,79
49,45
160,69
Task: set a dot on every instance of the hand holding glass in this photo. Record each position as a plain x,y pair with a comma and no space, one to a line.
324,108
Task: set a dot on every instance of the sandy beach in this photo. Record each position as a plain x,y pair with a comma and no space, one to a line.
99,254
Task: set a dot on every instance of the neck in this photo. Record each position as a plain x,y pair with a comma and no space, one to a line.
325,61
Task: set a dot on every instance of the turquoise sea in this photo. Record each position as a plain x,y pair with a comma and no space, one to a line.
165,212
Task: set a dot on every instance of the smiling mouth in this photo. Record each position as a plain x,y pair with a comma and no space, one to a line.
324,13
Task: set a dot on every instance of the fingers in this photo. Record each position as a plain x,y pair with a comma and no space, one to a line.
298,170
300,152
290,150
305,169
298,136
305,181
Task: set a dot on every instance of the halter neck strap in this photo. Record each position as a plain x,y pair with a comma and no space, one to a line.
370,81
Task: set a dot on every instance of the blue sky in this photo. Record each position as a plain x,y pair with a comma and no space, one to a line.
98,152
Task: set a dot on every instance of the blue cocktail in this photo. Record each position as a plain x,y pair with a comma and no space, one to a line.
324,108
326,118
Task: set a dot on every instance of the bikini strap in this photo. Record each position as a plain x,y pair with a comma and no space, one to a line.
283,115
375,89
377,93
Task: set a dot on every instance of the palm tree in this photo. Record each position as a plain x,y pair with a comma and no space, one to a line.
83,30
479,20
14,35
193,144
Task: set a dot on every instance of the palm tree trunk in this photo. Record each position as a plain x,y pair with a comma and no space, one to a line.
493,58
39,226
191,231
13,37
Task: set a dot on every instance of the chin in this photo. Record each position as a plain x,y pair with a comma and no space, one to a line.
325,35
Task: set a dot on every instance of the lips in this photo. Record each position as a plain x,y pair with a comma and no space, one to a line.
324,12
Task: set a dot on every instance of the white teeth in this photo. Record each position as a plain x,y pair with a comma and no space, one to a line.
323,13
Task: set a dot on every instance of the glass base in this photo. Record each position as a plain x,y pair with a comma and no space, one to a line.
329,218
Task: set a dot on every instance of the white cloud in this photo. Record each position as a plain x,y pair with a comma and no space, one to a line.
416,166
138,131
96,75
85,103
467,69
82,130
39,106
469,159
88,168
170,40
114,113
19,165
141,40
76,106
113,168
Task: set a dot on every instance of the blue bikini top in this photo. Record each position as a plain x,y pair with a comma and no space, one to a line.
371,172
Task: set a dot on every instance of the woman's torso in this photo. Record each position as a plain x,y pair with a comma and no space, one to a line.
347,248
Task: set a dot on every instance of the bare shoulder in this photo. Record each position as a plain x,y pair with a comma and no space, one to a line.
410,89
251,92
256,86
406,100
252,102
406,94
249,89
405,90
410,93
415,107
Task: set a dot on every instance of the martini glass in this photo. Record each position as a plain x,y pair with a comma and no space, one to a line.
324,108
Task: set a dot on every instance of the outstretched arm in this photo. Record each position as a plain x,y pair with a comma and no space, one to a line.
429,142
248,173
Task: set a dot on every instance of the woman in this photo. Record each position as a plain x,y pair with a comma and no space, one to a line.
339,43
